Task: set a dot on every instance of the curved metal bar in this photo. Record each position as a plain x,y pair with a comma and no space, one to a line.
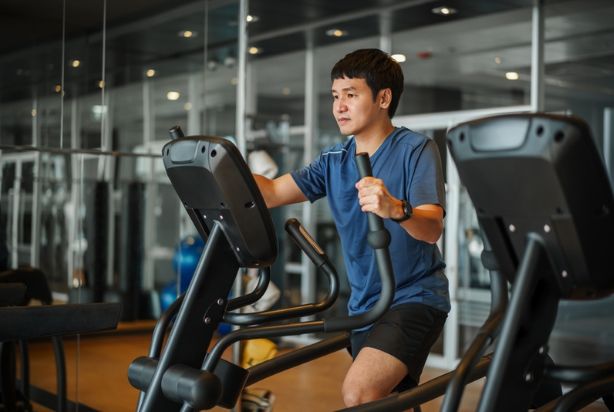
585,394
577,374
486,335
291,312
258,332
264,277
420,394
60,365
161,326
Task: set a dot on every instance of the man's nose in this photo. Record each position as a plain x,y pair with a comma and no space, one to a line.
341,106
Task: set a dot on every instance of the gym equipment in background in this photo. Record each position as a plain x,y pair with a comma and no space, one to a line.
222,199
545,205
20,323
186,256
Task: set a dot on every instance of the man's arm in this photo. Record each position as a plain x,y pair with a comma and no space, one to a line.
426,222
280,191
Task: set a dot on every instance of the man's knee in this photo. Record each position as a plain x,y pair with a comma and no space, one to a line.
355,393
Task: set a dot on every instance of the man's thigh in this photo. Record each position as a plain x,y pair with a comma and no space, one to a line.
405,334
375,372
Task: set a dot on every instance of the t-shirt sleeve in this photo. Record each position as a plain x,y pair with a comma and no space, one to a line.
427,182
311,179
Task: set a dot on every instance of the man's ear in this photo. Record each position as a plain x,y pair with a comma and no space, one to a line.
385,98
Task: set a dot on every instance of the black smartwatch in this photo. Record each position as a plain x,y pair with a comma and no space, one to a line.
407,211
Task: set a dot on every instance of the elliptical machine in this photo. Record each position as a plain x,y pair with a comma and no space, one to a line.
545,204
222,199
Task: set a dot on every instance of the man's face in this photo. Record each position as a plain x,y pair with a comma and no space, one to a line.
353,105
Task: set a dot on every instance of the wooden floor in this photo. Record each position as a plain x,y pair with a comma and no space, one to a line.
103,385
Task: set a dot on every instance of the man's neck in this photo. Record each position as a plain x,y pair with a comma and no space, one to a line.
370,140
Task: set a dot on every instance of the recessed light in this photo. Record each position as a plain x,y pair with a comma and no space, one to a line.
173,95
212,65
187,107
57,88
254,50
511,76
150,73
444,11
229,61
101,84
399,58
99,109
497,60
336,33
75,63
251,18
187,34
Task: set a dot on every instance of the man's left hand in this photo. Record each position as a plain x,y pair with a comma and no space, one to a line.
373,196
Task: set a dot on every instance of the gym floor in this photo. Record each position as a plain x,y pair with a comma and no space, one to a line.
103,384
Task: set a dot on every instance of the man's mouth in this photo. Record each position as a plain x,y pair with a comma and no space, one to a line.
343,120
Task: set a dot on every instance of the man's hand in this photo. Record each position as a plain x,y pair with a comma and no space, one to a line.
426,221
374,197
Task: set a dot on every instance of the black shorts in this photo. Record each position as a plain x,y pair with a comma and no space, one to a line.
406,332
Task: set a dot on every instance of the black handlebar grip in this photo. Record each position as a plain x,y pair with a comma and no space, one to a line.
303,240
363,164
364,169
175,132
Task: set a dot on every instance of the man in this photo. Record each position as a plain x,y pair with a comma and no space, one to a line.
407,191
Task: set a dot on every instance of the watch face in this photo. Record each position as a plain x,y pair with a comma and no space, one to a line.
407,210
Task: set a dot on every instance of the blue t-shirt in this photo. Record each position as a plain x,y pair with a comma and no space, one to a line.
410,166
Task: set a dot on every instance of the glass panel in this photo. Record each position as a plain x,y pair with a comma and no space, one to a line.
460,60
579,81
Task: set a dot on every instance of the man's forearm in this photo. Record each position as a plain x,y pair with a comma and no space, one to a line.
266,188
425,224
280,191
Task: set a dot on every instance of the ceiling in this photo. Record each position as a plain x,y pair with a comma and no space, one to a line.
468,50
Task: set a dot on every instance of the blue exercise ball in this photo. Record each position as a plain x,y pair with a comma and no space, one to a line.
185,259
168,295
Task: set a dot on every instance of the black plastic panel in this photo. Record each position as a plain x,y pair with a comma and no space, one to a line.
541,173
231,197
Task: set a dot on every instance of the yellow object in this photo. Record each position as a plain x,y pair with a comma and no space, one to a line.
256,351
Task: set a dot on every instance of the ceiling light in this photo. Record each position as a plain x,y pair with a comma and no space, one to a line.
212,65
187,34
336,33
254,50
99,109
173,95
497,60
187,107
101,84
251,18
150,73
57,88
229,61
399,58
75,63
511,76
33,112
444,11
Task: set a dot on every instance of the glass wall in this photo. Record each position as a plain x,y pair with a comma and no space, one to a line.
579,81
85,110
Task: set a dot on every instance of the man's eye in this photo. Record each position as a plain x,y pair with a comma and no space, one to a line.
350,94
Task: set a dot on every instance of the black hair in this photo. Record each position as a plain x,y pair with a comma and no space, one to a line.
379,70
